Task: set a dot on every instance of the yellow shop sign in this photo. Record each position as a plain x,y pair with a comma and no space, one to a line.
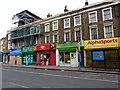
102,43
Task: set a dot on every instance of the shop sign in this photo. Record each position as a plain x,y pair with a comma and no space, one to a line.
102,43
67,44
28,49
45,46
98,55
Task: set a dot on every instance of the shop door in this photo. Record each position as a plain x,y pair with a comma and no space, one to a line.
73,59
82,59
53,58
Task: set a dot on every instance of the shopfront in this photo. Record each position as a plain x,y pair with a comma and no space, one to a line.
46,54
103,53
6,56
16,56
28,55
1,57
67,54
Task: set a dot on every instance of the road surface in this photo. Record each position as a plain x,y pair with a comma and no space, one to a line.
13,77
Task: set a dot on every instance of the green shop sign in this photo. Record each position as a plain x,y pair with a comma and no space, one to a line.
28,49
69,44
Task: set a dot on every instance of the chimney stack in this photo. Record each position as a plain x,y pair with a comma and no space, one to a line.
65,9
86,3
49,15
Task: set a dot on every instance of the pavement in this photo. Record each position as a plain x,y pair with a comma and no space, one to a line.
65,68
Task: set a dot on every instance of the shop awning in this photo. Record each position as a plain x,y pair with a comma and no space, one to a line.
16,52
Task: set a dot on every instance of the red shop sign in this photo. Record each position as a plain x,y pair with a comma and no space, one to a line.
43,47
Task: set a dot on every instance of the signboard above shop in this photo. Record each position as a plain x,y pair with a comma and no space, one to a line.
47,46
69,44
30,49
102,43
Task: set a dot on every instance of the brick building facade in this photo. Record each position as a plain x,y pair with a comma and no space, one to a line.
91,22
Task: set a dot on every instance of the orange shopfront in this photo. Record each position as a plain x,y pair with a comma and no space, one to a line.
103,53
46,54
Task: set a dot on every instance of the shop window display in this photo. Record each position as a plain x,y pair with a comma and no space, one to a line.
65,57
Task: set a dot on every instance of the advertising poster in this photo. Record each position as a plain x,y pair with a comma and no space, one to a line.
98,55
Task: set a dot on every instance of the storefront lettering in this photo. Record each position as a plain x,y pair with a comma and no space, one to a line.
102,41
68,45
42,47
71,44
46,46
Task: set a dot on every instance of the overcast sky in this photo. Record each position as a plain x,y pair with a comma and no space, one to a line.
41,8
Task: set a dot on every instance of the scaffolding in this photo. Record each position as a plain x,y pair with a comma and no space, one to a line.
27,31
28,35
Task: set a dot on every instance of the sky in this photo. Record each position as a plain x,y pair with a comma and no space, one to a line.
41,8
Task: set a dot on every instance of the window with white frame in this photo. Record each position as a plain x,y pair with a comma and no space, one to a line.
107,14
77,35
47,39
108,31
93,17
93,33
77,20
67,23
47,27
55,25
67,36
55,38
